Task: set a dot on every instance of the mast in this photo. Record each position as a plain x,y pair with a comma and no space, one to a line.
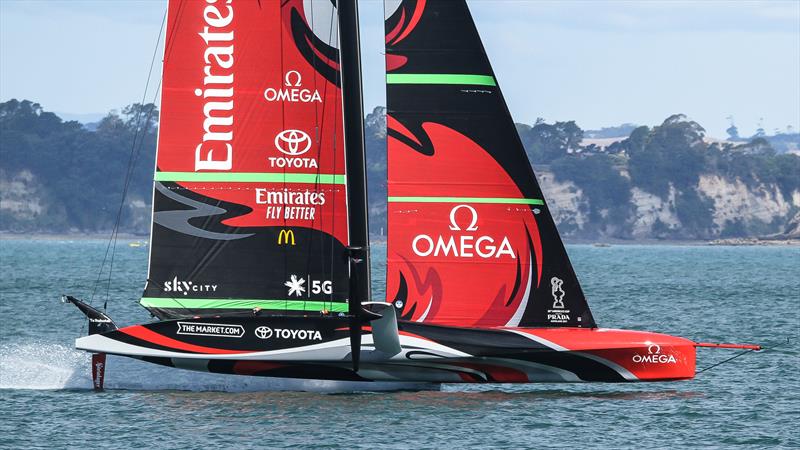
350,59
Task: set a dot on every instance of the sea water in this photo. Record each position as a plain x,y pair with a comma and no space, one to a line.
718,294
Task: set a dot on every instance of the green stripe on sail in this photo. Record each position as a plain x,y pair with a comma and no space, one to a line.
439,78
239,303
511,201
251,177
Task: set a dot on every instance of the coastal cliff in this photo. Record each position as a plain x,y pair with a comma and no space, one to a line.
667,182
738,211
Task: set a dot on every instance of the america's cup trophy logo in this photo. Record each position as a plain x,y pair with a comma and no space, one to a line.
558,293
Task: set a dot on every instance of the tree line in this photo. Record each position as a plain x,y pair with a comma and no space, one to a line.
84,171
667,158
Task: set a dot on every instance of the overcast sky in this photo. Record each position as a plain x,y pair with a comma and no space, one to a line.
600,63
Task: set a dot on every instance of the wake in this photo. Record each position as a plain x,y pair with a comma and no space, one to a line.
51,366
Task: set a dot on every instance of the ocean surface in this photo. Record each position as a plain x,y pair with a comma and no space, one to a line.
718,294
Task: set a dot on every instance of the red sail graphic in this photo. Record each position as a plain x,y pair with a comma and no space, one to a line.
471,241
250,100
250,202
465,263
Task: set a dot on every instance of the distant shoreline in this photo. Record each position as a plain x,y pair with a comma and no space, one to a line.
5,236
732,242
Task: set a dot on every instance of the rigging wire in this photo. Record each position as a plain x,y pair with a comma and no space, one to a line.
167,52
334,22
162,291
283,127
129,177
132,158
318,140
319,130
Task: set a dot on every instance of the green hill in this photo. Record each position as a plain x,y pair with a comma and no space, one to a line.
667,181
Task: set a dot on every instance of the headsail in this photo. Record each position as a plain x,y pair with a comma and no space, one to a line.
249,203
471,240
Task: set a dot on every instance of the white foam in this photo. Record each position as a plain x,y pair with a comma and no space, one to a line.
55,366
42,366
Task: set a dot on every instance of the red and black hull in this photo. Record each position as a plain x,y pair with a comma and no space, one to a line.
319,348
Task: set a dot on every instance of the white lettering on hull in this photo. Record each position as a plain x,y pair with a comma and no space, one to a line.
654,356
264,332
210,329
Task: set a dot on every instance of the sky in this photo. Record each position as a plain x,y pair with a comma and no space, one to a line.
600,63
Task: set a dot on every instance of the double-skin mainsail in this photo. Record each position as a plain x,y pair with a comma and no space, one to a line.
471,240
250,205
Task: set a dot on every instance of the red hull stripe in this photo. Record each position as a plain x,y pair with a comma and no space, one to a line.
140,332
406,333
254,367
499,373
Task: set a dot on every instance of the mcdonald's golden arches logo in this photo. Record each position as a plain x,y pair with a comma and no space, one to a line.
286,237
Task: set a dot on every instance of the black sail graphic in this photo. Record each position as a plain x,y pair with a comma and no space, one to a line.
471,239
250,206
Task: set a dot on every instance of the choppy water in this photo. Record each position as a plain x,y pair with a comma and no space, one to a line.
739,294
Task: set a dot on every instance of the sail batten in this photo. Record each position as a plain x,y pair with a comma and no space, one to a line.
440,78
238,303
252,177
497,200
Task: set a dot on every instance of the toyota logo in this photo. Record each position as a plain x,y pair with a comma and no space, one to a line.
292,142
263,332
